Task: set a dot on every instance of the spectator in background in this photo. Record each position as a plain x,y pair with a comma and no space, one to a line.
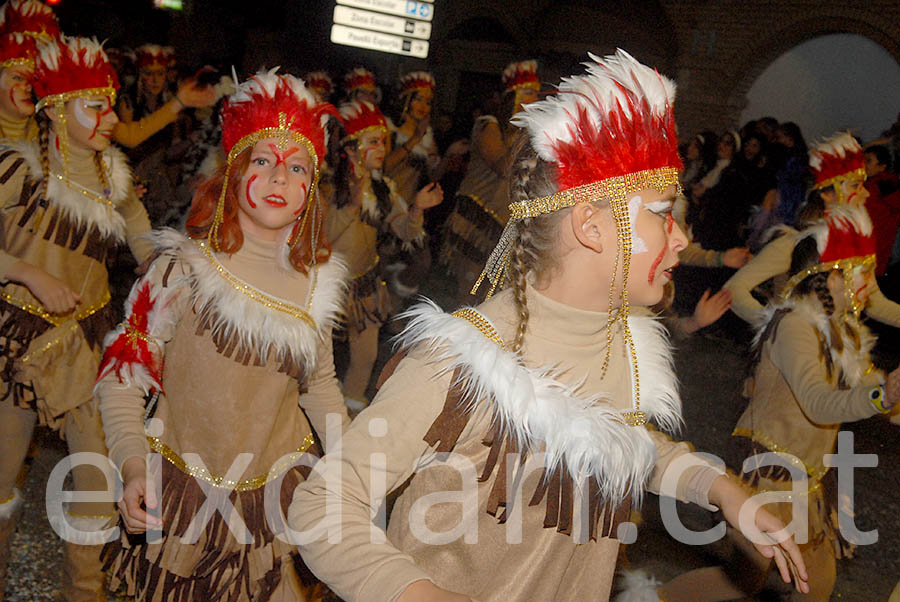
883,203
791,175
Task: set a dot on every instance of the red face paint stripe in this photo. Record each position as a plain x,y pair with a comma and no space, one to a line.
280,157
651,277
670,222
302,205
100,116
248,193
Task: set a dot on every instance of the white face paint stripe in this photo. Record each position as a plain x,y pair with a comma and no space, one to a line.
659,206
82,117
637,243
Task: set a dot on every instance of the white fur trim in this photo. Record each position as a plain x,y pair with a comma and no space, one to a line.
598,92
76,207
423,149
852,362
587,434
258,327
637,586
8,509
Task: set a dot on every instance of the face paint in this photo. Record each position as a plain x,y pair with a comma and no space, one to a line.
637,243
300,208
280,157
86,121
659,207
249,193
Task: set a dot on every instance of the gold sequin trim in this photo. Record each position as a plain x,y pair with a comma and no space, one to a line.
480,322
9,499
92,516
65,97
856,173
18,62
84,191
47,346
371,267
278,469
363,132
815,473
259,296
486,209
56,320
845,265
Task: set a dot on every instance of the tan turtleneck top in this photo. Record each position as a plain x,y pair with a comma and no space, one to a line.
218,405
17,129
479,561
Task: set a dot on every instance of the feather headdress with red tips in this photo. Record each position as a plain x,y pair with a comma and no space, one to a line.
169,54
270,105
416,80
320,82
29,17
359,78
150,55
521,74
836,158
359,117
17,49
616,119
844,240
72,66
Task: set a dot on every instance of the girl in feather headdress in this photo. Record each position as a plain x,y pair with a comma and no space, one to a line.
518,429
222,370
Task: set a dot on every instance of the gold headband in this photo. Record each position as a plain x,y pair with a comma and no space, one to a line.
859,173
18,62
284,135
64,97
845,265
363,132
614,189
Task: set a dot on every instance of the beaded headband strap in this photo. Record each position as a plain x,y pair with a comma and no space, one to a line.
845,265
363,132
616,190
19,62
53,99
856,173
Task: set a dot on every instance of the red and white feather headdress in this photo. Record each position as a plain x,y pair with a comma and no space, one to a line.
271,105
835,159
321,82
150,55
169,53
844,240
609,133
17,49
416,80
521,74
29,17
70,67
359,78
359,117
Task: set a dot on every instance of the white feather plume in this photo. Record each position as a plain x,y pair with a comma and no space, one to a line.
265,83
840,144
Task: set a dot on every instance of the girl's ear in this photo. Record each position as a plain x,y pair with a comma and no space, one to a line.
586,226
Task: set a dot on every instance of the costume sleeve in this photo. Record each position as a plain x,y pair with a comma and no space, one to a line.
694,483
694,254
133,355
488,140
338,494
13,170
794,352
401,223
323,396
883,309
137,226
132,133
774,259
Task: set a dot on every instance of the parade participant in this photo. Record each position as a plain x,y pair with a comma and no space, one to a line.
365,206
67,200
320,84
16,71
542,393
838,166
413,153
812,373
229,333
30,17
360,84
146,110
480,214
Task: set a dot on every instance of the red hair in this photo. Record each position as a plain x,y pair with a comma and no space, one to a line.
230,237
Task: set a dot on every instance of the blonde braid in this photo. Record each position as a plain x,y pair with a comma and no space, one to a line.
101,172
517,270
44,147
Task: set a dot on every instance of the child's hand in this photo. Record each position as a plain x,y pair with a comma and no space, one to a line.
709,309
429,196
53,293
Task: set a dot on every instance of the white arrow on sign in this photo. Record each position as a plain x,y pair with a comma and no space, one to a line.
414,9
383,42
354,17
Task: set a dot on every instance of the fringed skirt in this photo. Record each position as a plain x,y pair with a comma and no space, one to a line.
46,368
821,499
368,302
470,234
217,566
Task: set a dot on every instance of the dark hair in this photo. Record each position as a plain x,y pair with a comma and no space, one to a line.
708,148
882,155
342,177
799,150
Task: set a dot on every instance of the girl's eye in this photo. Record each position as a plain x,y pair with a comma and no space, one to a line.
96,106
261,161
299,169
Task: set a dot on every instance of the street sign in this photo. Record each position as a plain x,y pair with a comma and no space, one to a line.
414,9
354,17
383,42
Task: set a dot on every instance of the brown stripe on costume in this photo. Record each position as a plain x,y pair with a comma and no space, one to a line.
12,169
558,488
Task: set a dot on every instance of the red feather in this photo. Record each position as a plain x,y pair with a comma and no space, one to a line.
16,46
78,68
130,348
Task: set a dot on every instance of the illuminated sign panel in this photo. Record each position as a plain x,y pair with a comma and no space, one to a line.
395,26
